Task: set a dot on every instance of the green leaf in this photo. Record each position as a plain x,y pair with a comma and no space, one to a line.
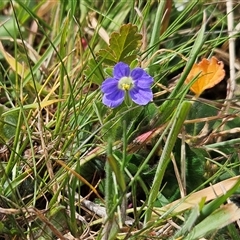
123,45
93,72
8,27
190,221
8,124
223,216
200,110
210,207
3,4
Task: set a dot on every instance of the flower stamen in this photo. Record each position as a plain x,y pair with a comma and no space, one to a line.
125,83
126,86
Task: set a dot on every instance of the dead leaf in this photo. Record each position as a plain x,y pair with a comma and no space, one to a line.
208,73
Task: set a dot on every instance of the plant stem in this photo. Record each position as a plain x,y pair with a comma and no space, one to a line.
178,120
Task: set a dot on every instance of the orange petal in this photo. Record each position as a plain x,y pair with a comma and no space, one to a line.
210,73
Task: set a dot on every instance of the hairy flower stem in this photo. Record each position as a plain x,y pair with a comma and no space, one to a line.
110,227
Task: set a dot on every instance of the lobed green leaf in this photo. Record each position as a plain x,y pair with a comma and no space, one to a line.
123,45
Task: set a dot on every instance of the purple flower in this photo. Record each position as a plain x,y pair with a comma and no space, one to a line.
137,83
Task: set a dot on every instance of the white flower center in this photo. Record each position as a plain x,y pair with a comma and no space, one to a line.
126,83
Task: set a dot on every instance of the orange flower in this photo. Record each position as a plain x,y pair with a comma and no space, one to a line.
209,72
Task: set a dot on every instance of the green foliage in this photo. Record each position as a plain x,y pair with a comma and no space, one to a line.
69,164
216,203
123,46
200,110
3,4
94,72
9,28
113,124
8,124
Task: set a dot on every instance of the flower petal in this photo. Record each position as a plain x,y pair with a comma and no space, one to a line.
141,78
109,85
113,99
121,70
141,96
